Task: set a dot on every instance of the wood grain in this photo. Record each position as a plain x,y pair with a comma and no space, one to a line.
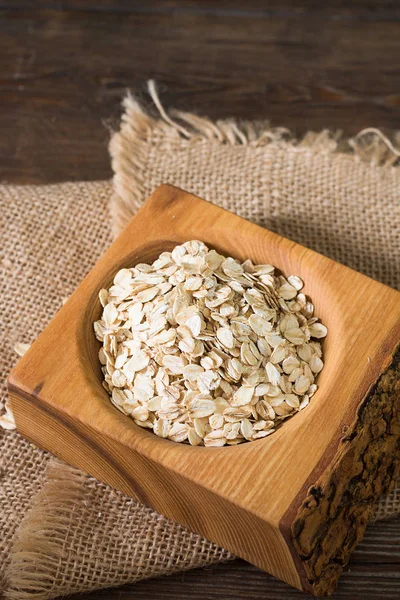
302,65
264,484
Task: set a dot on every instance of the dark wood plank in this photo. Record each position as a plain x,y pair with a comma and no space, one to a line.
334,8
373,574
63,72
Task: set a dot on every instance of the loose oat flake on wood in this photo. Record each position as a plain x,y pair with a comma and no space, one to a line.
203,349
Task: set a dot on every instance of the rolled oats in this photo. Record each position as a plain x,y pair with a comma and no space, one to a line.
206,350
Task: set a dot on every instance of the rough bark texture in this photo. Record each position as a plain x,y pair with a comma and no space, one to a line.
333,517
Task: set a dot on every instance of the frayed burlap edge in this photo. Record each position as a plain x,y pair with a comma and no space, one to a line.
138,127
41,533
38,550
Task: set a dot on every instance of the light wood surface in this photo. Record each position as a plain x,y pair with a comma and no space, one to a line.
256,499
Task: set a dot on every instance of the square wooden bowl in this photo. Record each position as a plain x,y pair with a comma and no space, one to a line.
294,503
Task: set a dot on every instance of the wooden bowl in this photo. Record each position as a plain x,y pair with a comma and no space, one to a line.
294,503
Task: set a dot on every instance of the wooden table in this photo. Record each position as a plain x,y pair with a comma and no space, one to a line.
303,65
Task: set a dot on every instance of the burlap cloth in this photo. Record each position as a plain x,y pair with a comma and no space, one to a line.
61,531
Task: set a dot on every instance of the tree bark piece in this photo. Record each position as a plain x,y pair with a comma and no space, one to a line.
333,517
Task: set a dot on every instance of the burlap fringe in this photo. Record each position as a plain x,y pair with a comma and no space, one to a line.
38,547
138,127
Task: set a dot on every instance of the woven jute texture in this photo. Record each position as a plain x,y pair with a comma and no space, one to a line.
62,531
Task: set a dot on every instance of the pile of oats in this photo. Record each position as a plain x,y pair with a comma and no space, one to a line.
204,349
